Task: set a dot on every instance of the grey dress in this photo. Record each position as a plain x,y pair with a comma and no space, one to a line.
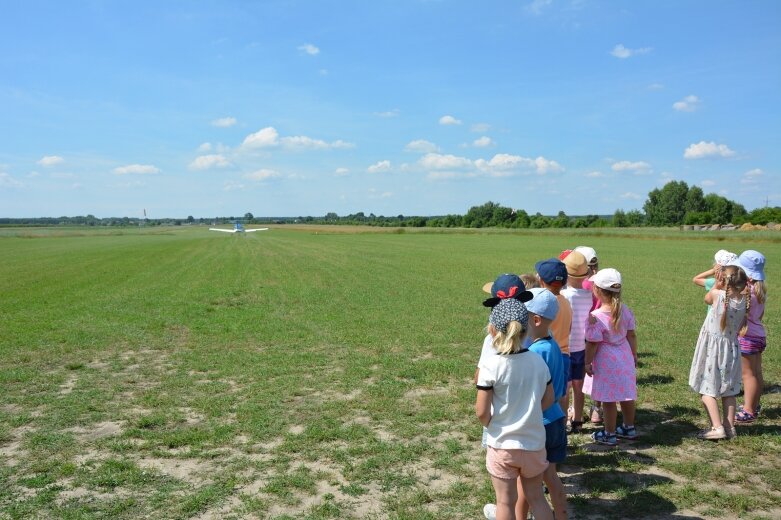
716,369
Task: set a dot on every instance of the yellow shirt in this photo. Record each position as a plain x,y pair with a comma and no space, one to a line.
561,326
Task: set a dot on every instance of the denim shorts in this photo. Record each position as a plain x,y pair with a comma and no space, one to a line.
556,441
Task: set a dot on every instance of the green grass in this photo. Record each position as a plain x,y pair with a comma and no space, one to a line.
326,373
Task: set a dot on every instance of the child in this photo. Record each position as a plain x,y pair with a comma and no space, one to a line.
708,279
595,412
552,274
529,280
752,338
715,370
543,311
513,387
611,358
580,303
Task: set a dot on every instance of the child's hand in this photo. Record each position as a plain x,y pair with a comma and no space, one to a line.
590,369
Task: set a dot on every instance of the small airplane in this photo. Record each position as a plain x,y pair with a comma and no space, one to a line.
238,228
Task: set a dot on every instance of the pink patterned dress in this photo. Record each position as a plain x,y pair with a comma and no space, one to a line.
615,378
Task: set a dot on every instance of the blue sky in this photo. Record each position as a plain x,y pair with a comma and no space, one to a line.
288,108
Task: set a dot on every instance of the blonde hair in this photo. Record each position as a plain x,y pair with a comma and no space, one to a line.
508,342
529,280
615,305
734,279
758,289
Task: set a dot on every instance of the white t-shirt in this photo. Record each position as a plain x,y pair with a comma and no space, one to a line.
518,382
580,300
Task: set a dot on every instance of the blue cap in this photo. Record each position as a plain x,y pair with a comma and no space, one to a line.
753,262
506,286
551,271
543,303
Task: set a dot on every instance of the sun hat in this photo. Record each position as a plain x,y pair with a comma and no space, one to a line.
577,267
753,262
505,286
608,279
589,253
508,310
724,257
544,303
552,271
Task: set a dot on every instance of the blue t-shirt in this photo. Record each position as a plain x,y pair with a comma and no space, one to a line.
549,350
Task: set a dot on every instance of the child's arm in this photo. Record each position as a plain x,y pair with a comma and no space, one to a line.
483,405
712,295
591,351
631,337
548,398
700,278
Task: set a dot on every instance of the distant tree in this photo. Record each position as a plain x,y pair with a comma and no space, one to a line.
539,221
190,219
695,200
248,216
560,221
667,207
619,218
331,217
521,219
634,218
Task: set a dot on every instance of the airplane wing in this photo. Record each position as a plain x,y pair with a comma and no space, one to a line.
256,229
223,230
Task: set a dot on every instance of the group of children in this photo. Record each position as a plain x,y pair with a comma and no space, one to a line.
731,342
574,320
567,327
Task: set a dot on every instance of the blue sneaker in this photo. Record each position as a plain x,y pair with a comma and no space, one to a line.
626,432
602,437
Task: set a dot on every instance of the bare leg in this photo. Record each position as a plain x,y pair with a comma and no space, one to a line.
522,506
506,496
712,407
558,496
532,489
609,416
751,388
760,376
729,405
628,412
578,399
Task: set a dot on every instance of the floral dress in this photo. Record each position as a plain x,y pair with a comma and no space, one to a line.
615,378
716,369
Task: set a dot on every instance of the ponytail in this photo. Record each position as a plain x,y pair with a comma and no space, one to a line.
615,310
736,279
509,342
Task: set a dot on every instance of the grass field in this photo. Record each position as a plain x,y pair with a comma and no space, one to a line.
327,373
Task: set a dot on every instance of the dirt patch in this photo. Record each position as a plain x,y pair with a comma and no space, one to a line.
69,384
192,471
97,431
417,393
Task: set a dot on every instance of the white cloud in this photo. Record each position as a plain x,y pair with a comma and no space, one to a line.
480,128
207,162
449,120
631,196
310,49
483,142
436,161
702,150
626,166
6,181
421,146
537,6
503,164
388,113
379,167
269,138
619,51
50,160
263,174
224,122
137,169
341,172
595,175
205,147
687,104
233,186
544,166
707,183
752,176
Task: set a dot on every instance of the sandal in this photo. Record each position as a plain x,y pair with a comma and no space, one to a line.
744,417
595,415
575,427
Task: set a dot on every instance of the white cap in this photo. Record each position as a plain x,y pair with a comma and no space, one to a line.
608,279
589,253
724,257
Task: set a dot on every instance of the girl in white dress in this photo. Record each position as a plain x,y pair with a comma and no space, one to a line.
716,371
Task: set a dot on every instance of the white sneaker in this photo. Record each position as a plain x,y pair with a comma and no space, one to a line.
489,510
713,434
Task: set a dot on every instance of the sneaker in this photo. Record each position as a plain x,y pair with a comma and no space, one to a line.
489,511
713,434
602,437
626,432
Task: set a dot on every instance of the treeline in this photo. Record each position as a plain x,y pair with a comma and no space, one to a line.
674,204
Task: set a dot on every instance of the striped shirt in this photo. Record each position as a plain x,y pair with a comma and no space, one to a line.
580,301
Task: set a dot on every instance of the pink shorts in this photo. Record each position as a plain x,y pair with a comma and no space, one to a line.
751,344
510,464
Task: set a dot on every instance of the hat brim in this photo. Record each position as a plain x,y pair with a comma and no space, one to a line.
523,297
487,287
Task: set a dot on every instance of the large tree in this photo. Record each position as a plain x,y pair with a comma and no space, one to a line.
667,206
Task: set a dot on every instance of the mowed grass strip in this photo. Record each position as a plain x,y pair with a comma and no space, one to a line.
307,374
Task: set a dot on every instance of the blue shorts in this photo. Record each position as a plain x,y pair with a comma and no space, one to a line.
556,441
577,365
565,362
